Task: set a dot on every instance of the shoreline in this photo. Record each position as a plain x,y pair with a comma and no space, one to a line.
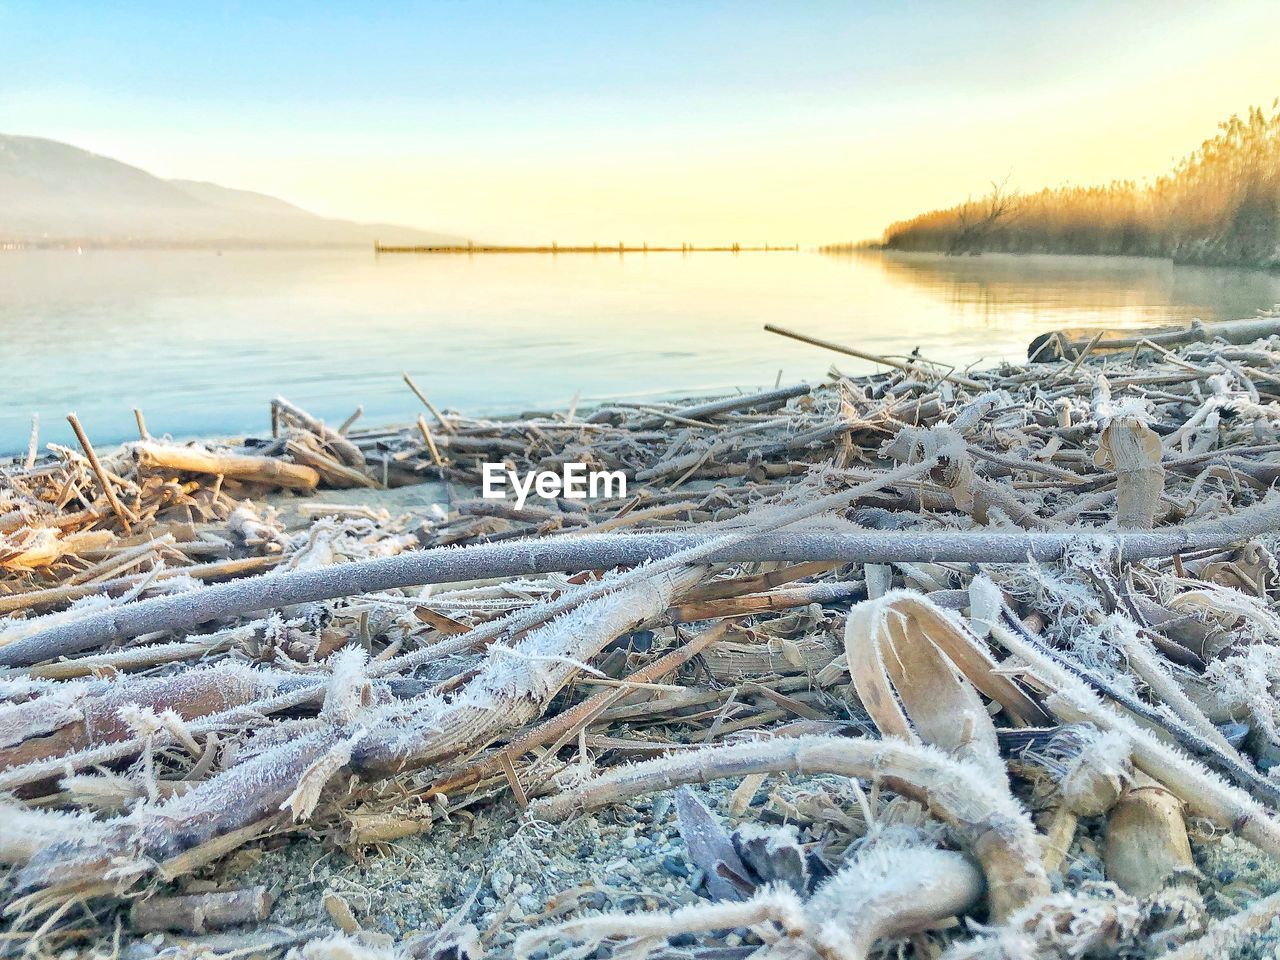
842,250
384,759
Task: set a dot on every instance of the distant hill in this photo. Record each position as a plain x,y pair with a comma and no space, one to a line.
54,193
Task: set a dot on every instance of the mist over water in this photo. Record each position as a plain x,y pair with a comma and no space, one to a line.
202,341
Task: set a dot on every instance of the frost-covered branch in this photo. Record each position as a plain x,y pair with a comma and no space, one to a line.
602,552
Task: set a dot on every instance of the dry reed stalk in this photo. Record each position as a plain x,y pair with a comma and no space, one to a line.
874,358
345,450
201,912
108,490
444,424
692,611
1235,331
39,729
334,473
33,443
567,724
1203,793
50,596
430,440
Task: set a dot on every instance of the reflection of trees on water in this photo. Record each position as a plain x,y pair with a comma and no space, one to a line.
1113,290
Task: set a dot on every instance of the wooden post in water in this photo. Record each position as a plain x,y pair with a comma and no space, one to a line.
470,247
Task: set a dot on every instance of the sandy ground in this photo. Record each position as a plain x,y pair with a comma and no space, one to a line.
507,875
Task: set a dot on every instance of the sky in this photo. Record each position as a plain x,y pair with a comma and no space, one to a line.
700,121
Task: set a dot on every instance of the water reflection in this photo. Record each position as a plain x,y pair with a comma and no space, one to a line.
202,341
1084,291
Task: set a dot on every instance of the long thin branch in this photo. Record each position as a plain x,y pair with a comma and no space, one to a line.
522,558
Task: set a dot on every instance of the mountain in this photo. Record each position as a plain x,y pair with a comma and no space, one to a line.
54,193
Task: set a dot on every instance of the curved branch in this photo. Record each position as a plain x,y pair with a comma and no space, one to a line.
989,821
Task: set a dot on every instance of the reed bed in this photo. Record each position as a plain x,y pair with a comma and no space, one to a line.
1220,205
1005,618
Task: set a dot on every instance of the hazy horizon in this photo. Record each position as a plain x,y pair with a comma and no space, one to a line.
668,122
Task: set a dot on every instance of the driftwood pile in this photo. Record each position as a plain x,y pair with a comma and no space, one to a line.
1015,609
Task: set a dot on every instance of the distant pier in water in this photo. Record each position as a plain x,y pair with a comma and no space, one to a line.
555,248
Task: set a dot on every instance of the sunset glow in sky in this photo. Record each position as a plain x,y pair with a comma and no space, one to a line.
580,122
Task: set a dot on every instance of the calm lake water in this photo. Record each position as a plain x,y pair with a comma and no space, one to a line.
201,341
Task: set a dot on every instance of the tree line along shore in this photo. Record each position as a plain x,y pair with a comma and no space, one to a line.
1219,206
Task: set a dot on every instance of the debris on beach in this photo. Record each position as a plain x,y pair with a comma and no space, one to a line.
919,664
